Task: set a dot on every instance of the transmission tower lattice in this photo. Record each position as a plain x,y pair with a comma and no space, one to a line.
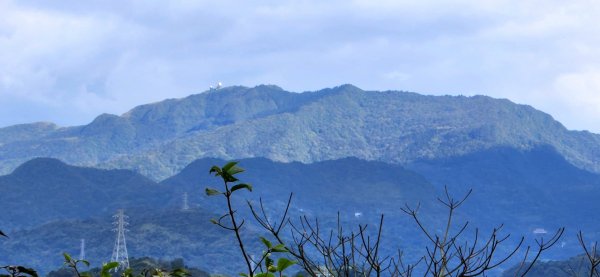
119,253
82,250
185,206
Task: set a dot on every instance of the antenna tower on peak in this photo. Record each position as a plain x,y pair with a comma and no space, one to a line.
119,253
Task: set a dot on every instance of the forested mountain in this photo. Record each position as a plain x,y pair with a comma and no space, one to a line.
532,188
44,190
522,189
577,266
166,234
322,189
160,139
342,150
79,203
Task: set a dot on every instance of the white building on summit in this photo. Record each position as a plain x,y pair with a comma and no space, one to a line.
219,86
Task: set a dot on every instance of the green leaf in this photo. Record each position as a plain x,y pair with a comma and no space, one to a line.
229,170
241,186
284,263
214,221
127,273
235,170
86,263
265,274
179,272
266,242
243,274
67,257
269,262
228,177
279,248
107,267
211,192
158,273
216,170
229,166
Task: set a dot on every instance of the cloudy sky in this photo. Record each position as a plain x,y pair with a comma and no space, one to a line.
68,61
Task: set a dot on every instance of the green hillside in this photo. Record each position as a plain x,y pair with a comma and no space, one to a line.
160,139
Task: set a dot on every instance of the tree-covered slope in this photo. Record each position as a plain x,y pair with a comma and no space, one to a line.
73,201
44,189
166,234
577,266
347,185
522,189
525,190
162,138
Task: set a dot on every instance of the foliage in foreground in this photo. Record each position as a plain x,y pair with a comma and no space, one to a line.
357,253
341,253
265,266
141,267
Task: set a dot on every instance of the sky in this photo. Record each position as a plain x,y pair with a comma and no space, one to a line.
69,61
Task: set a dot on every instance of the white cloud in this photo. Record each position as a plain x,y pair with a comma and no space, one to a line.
580,88
397,76
579,93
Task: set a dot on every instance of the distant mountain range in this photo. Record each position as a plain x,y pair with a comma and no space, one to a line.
359,153
166,234
44,190
48,205
158,140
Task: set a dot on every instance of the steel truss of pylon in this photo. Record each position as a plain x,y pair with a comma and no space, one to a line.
185,206
82,250
119,253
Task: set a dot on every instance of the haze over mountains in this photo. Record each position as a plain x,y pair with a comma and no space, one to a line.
160,139
360,153
58,204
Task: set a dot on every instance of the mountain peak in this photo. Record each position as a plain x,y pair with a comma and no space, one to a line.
269,87
348,87
341,89
266,121
40,166
42,161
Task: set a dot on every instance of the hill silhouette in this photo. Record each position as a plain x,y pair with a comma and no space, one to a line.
160,139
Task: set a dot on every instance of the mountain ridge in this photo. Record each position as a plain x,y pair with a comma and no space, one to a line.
50,205
47,189
160,139
523,190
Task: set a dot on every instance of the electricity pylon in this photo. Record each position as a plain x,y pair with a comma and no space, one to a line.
185,206
82,250
119,253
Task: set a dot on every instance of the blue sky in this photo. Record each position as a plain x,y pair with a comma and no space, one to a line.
68,61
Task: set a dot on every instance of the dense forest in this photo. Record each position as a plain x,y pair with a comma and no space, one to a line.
316,249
